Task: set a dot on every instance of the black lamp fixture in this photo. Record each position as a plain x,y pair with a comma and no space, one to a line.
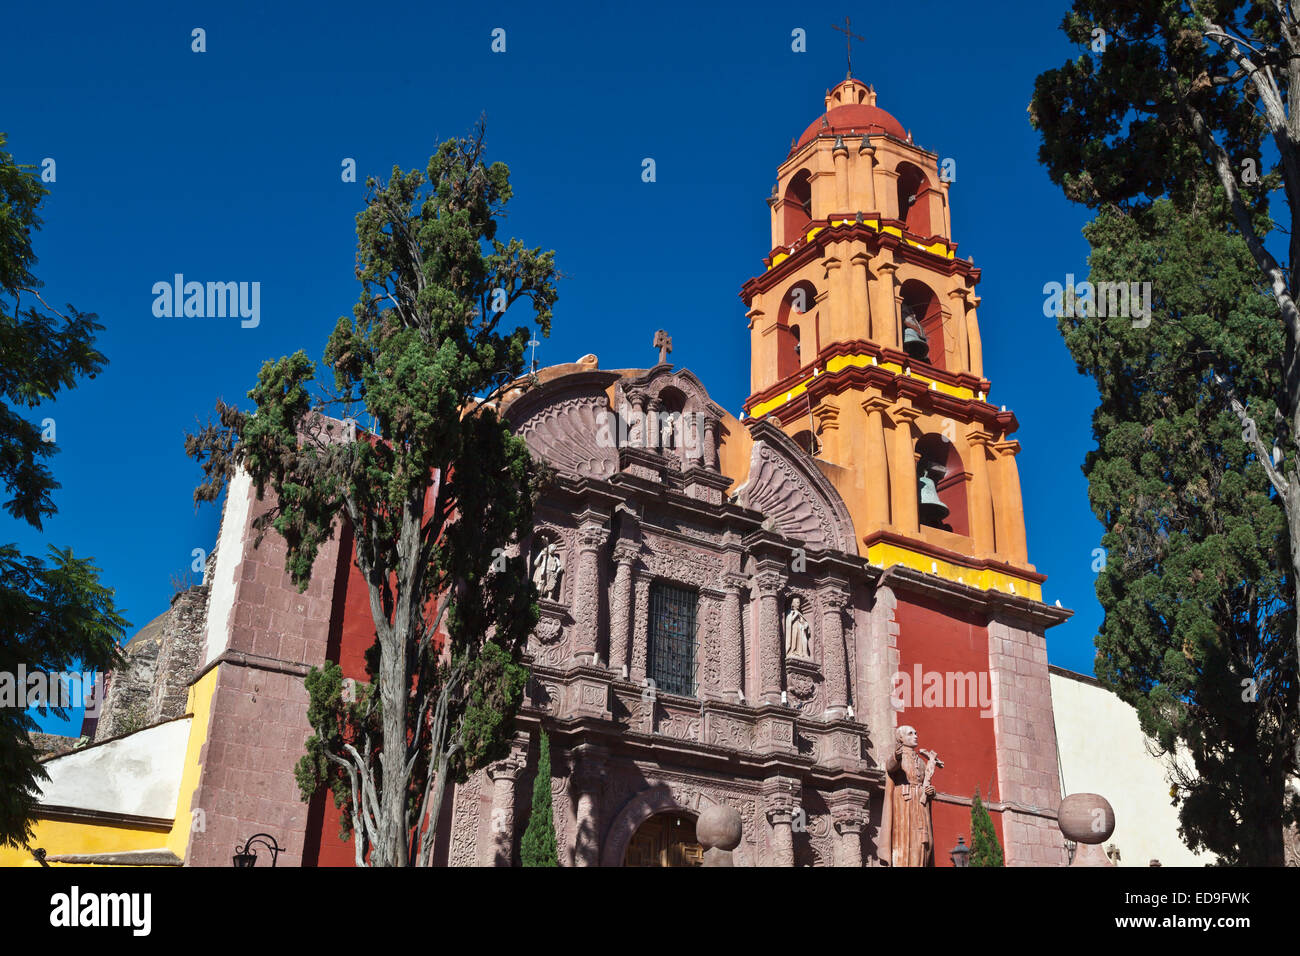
960,853
246,856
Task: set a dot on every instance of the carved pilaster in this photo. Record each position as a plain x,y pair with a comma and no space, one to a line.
711,443
625,554
733,654
850,816
503,775
834,655
780,799
588,775
592,534
771,646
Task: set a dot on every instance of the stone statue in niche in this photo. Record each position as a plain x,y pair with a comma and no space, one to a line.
907,829
548,570
798,638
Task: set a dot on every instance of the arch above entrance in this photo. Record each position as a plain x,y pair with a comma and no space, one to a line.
635,812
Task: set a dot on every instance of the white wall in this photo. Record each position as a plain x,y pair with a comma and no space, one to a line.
1103,750
138,774
230,553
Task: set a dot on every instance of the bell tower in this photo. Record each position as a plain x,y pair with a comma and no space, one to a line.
865,347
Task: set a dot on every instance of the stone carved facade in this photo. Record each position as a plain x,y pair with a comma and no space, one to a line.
744,521
623,749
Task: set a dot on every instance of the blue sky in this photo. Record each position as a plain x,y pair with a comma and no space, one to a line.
225,166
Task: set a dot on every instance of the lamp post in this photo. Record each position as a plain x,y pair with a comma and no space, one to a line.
960,854
246,857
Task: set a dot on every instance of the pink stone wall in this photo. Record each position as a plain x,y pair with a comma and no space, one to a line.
259,723
1028,776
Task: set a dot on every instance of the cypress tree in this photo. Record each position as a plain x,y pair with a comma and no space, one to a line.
537,848
984,847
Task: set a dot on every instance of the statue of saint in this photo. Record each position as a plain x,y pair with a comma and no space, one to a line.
798,641
548,569
906,829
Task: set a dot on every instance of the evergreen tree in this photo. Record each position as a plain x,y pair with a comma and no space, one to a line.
985,850
434,501
1163,98
537,848
1196,583
55,615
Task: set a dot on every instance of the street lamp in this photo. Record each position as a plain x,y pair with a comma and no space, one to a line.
960,854
246,857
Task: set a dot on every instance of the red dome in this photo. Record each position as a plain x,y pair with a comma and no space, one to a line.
850,119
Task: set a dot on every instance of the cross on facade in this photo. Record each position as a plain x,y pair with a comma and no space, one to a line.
664,343
849,37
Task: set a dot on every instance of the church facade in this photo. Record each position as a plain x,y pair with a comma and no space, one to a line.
735,610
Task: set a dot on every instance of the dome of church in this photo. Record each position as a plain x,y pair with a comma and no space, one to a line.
851,110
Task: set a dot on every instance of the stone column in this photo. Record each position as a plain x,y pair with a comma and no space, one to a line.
1011,527
588,774
636,425
850,820
834,654
620,613
837,299
780,798
980,506
586,602
733,639
958,308
884,308
711,443
973,336
771,645
860,319
503,775
867,179
840,157
877,454
654,428
902,471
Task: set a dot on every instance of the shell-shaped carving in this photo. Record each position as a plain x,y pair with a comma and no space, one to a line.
568,435
791,501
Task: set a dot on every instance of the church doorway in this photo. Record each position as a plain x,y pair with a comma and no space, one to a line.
666,839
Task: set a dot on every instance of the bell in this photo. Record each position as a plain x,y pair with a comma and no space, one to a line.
915,344
932,510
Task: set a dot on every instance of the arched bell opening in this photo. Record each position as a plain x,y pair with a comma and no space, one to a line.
941,485
796,329
914,199
797,208
922,323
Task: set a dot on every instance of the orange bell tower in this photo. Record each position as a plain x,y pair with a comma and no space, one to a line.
865,347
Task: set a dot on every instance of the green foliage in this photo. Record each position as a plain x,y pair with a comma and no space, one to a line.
985,850
55,615
430,501
537,847
1200,629
1196,588
1112,120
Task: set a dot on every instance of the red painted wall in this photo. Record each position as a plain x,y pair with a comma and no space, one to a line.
352,633
942,641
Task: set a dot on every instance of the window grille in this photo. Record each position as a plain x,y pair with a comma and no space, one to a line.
671,654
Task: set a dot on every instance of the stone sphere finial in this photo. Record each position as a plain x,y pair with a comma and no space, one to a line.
1088,819
719,831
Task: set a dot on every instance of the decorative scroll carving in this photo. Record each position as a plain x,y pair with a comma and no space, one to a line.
564,435
788,490
681,726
